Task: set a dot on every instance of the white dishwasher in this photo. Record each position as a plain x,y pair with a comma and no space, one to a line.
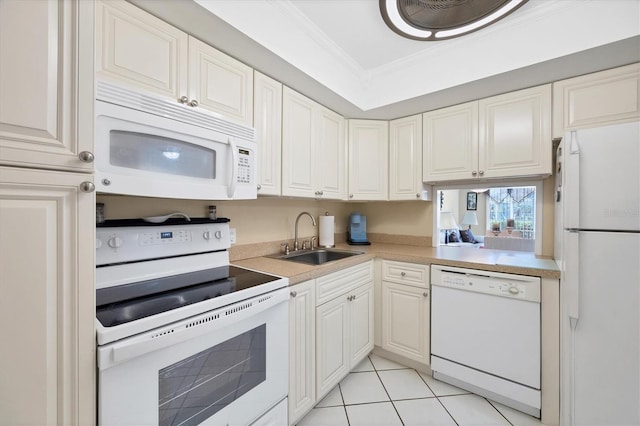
485,334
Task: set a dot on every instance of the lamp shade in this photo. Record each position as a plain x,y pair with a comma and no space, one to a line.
447,221
470,218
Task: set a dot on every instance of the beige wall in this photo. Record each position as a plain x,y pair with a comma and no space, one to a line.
272,219
399,217
261,220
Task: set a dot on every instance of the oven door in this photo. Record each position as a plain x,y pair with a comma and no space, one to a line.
138,153
227,366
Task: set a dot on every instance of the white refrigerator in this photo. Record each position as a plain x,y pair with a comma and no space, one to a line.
597,247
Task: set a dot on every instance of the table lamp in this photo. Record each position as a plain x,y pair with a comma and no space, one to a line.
470,218
447,221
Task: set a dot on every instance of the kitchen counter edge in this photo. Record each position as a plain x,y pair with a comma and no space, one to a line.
483,259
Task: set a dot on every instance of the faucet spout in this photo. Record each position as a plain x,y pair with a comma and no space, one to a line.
295,239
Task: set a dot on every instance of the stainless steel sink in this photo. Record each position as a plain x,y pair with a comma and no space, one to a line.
316,257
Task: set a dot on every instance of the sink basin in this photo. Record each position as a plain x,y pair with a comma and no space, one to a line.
316,257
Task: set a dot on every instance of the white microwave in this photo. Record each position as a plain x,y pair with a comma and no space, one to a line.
149,146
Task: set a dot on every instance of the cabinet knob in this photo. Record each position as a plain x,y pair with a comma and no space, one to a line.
481,172
350,195
417,195
106,182
403,274
320,192
87,186
86,157
259,187
193,103
425,294
293,293
183,99
474,173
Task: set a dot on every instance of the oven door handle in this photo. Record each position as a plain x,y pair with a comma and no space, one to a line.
190,328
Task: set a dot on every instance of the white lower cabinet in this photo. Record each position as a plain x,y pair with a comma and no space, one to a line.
302,344
405,310
344,325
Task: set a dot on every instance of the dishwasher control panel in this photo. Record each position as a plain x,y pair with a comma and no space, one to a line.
494,283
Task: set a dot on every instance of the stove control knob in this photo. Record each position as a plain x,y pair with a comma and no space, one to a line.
207,235
514,290
115,242
219,235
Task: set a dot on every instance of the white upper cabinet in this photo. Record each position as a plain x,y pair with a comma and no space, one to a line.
46,105
450,147
267,119
220,83
368,159
140,49
515,134
503,136
598,99
405,158
331,155
137,48
313,149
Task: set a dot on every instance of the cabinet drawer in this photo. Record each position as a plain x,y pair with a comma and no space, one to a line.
338,283
405,273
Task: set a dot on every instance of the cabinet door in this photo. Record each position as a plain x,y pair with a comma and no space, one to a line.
298,161
405,158
267,119
405,321
135,47
368,159
360,324
220,83
46,84
450,143
598,99
332,344
47,309
331,155
302,340
515,134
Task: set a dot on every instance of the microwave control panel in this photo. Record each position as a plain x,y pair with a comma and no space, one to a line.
244,166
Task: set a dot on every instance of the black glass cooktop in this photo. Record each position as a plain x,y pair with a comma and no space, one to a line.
130,302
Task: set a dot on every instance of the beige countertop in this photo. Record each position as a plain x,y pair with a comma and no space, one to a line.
466,257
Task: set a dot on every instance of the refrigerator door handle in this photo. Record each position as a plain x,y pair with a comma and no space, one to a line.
571,183
574,146
572,277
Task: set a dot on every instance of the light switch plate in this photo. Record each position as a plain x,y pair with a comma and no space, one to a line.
232,235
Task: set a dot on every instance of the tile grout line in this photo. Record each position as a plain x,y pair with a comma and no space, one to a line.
438,399
496,408
390,400
344,406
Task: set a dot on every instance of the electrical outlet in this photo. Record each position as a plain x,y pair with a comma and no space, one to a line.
232,235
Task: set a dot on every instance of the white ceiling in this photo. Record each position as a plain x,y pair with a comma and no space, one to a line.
341,53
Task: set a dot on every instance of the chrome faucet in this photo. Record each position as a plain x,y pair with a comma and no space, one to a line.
295,239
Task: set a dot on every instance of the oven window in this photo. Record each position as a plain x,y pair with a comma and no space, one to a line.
194,389
158,154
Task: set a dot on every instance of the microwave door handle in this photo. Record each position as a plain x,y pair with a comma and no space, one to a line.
234,168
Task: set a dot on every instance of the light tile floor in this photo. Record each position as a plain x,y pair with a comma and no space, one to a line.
382,392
